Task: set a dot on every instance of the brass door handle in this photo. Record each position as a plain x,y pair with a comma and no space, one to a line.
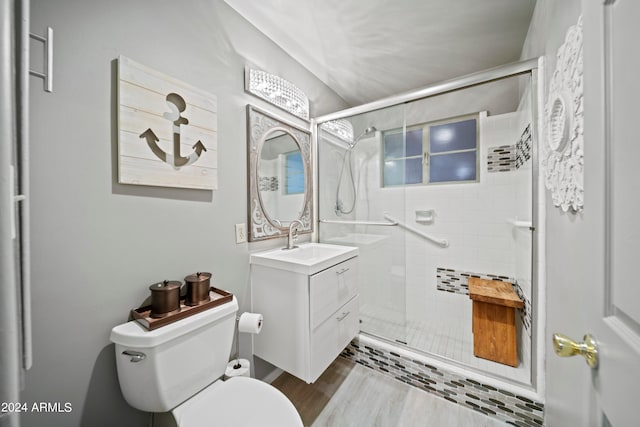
566,347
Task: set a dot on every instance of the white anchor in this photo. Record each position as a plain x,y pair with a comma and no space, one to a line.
176,106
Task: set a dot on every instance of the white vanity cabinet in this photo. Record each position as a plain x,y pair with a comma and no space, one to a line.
308,318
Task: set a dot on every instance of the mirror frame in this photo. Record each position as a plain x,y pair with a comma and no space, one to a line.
259,125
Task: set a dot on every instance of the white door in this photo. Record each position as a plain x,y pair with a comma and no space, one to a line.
595,254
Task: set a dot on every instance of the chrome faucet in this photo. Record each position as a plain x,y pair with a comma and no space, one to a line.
293,233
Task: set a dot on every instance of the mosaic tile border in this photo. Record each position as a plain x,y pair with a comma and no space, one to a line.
494,402
525,312
455,281
507,158
523,147
501,159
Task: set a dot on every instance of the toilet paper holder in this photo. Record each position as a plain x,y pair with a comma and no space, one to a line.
257,326
237,365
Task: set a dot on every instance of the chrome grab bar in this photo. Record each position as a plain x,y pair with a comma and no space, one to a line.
392,222
381,223
440,242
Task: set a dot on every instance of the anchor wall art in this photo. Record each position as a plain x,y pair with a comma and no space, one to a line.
167,130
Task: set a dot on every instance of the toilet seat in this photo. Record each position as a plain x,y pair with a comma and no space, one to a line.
238,402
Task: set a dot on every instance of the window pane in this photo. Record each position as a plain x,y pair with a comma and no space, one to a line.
453,167
398,145
295,173
413,171
403,171
393,145
393,172
414,142
453,136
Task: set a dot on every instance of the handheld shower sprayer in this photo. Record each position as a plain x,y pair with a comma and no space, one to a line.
347,159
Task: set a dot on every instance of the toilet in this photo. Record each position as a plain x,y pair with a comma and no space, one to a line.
176,372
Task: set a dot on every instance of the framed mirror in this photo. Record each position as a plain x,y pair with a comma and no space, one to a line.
279,175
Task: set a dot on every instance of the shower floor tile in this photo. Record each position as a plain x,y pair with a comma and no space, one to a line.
442,338
350,395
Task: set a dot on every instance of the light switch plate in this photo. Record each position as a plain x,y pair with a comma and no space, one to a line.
241,233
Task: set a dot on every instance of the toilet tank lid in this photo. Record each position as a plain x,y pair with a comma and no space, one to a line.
133,334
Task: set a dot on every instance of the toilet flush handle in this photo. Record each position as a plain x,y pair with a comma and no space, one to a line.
136,356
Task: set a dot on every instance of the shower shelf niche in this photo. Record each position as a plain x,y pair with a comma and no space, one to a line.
425,217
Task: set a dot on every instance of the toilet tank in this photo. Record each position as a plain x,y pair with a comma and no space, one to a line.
180,359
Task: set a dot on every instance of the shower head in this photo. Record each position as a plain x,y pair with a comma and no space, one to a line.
367,131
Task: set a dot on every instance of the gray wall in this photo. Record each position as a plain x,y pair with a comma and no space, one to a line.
97,245
565,235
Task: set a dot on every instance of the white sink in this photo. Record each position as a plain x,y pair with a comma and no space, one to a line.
308,258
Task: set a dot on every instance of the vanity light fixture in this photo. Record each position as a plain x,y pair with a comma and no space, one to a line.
277,91
340,128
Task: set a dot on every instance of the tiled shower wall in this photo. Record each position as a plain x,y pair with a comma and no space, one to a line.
473,217
476,219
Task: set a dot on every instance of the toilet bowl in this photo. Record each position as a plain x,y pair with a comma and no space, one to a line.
175,372
236,402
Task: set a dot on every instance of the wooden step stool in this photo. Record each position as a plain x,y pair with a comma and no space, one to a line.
494,320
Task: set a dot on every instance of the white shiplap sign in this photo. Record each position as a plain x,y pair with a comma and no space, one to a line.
167,130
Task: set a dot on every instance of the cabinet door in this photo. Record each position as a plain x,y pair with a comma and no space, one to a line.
282,298
332,336
331,289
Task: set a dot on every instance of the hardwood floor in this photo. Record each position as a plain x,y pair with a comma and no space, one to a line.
350,395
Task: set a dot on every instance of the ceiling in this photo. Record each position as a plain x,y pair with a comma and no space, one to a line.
369,49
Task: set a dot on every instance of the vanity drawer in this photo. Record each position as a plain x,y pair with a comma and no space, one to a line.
330,289
330,338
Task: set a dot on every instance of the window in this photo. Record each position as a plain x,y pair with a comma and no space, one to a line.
403,157
294,173
444,151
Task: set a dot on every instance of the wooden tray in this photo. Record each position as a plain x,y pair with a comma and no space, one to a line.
143,314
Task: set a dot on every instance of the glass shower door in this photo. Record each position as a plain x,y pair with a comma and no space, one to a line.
354,208
434,191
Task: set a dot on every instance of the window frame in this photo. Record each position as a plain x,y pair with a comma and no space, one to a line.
402,131
426,150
